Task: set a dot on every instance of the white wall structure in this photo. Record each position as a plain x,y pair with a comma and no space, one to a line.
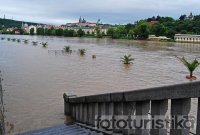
187,38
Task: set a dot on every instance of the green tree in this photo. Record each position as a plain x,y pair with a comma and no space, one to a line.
191,66
98,32
159,29
32,31
40,31
110,32
183,31
80,33
170,33
142,30
131,33
48,32
59,32
121,31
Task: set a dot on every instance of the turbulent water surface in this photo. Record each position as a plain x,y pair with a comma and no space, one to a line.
35,78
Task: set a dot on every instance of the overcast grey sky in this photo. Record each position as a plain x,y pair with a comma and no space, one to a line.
109,11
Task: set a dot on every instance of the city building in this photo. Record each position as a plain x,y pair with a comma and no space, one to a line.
87,27
190,17
187,38
152,23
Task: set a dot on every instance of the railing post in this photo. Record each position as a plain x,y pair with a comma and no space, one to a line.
142,109
73,111
118,111
180,107
77,112
159,109
85,114
81,112
68,109
91,113
129,110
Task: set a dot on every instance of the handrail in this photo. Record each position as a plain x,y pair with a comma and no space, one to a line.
178,91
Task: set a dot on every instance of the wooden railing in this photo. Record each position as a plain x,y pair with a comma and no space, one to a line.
153,101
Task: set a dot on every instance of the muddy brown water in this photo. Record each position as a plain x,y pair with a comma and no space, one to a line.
35,78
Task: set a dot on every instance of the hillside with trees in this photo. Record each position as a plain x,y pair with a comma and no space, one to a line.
159,26
8,23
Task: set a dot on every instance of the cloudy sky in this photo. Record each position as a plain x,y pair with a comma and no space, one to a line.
109,11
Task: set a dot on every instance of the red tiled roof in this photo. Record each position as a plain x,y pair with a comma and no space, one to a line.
152,22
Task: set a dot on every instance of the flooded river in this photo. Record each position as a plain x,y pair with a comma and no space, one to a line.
35,78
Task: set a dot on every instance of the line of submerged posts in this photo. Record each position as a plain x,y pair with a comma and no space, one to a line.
125,59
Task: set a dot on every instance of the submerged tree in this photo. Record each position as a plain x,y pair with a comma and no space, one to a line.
67,48
13,39
44,44
18,40
191,66
127,59
34,42
25,41
2,38
8,39
82,51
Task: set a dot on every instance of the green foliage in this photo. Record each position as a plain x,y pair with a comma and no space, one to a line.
183,32
35,43
127,59
67,48
170,33
40,31
32,31
98,32
142,30
88,33
8,23
59,32
8,39
159,29
117,32
2,38
44,44
69,33
191,66
80,33
49,32
110,32
82,51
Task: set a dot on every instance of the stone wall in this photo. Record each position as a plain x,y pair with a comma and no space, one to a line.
152,101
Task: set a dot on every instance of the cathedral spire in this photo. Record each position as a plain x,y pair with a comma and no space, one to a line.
80,20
